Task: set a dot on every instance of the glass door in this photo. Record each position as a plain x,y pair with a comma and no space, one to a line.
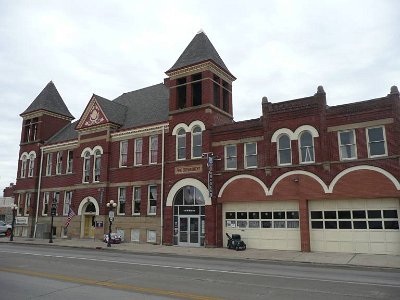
189,231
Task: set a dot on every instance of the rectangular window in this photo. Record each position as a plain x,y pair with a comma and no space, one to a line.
67,202
56,200
136,200
59,163
19,210
70,161
151,236
250,152
152,201
27,204
217,90
45,209
23,166
138,152
196,89
123,153
347,144
376,142
153,141
181,91
225,96
121,200
49,164
135,235
31,165
230,157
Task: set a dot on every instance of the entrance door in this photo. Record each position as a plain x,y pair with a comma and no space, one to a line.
89,229
189,231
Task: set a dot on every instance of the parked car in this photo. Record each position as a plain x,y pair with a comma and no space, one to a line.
5,228
115,238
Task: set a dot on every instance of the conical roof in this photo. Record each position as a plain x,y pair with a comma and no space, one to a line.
49,99
200,49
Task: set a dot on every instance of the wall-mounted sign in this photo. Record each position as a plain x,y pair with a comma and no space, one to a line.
21,221
189,169
99,224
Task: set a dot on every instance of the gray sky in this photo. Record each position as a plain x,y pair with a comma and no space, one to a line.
279,49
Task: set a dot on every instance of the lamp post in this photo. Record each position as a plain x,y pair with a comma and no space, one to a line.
14,211
111,205
53,214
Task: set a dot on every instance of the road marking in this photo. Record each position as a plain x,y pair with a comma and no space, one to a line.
108,284
204,270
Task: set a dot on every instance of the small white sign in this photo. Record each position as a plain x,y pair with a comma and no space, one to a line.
21,221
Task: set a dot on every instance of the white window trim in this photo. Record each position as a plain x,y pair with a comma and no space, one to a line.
133,200
192,143
147,236
84,167
384,143
58,200
340,145
69,165
226,157
49,164
135,163
278,150
246,156
65,212
118,206
46,196
95,156
24,160
177,144
313,147
19,205
148,200
59,163
150,156
120,154
135,230
28,196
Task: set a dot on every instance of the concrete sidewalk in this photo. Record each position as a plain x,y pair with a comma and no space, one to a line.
332,258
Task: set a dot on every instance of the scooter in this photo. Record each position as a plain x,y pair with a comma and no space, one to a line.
235,242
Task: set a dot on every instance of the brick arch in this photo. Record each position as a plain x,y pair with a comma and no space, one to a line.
243,187
365,180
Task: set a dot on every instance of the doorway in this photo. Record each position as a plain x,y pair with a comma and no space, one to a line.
189,231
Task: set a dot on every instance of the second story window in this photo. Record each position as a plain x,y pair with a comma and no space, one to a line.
24,159
376,141
123,153
181,144
196,142
306,147
56,200
70,161
59,163
19,207
136,200
121,200
230,157
49,164
347,144
284,150
31,165
153,141
250,152
138,152
97,165
45,208
86,166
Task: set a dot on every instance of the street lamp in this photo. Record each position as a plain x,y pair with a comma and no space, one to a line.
53,214
14,211
111,205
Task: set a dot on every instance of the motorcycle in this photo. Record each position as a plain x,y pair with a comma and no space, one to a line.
235,242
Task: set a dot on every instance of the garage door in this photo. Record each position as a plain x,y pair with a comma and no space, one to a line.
267,225
356,226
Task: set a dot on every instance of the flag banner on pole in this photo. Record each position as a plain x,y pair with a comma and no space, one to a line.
71,214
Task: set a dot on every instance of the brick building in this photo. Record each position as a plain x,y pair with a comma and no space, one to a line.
303,176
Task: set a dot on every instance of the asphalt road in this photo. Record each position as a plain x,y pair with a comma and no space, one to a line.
42,272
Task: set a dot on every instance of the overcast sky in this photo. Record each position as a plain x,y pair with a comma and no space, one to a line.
279,49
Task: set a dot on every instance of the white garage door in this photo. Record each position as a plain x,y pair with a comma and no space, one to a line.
355,226
267,225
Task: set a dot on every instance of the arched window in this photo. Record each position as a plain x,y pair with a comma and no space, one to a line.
181,144
86,166
306,147
31,165
24,159
189,195
97,165
196,142
284,150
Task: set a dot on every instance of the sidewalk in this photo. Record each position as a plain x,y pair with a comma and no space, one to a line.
333,258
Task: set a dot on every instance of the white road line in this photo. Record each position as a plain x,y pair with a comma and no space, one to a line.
200,269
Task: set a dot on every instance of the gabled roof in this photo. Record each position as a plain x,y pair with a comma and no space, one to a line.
49,99
114,112
200,49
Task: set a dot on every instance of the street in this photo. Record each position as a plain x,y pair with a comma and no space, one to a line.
42,272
